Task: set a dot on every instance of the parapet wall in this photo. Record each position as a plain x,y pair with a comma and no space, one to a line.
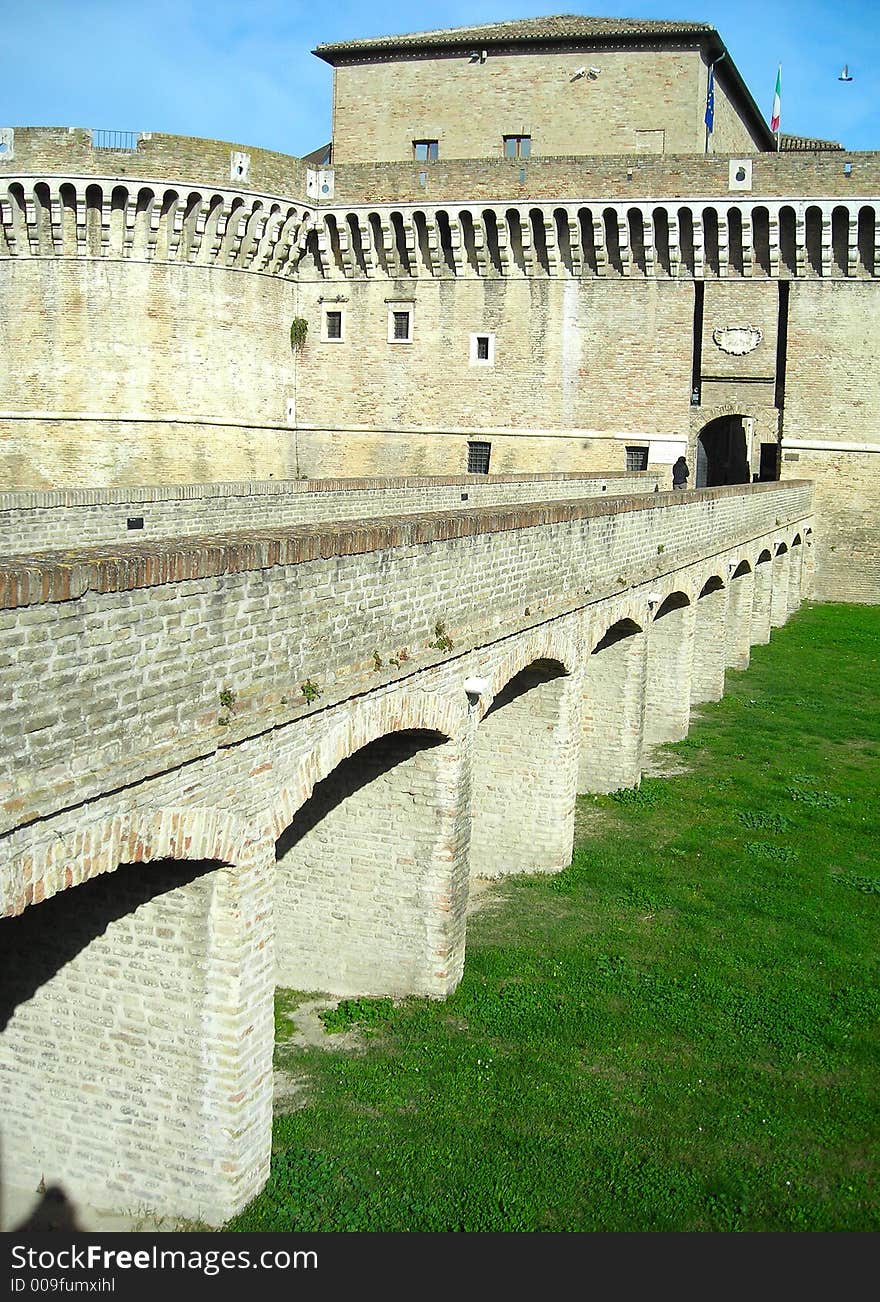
39,520
122,661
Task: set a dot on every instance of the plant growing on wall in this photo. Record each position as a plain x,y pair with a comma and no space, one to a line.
311,691
299,329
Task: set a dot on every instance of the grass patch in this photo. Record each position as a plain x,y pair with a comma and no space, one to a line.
678,1032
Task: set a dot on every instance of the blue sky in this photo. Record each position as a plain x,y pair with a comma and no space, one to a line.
242,71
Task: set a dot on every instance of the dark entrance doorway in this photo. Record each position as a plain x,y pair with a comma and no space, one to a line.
722,453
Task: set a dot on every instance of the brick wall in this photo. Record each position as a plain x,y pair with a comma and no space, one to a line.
380,107
40,520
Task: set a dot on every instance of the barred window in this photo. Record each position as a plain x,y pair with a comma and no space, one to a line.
334,325
478,458
637,458
400,324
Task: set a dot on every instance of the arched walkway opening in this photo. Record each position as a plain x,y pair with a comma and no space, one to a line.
763,596
613,708
670,657
120,1051
738,641
723,453
371,884
524,776
710,625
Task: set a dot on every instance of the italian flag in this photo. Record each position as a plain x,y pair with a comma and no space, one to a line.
777,97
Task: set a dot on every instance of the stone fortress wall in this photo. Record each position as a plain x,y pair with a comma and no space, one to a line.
147,336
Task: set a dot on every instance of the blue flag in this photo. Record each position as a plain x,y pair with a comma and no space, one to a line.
710,98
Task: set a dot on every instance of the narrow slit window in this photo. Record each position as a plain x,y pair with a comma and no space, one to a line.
482,350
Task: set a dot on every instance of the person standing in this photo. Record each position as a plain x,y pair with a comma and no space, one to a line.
680,473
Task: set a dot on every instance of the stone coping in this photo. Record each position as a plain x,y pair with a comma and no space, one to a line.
25,499
68,573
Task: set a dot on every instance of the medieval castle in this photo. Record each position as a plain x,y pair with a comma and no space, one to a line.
337,551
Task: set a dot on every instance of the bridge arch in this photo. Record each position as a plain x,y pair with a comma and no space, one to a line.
137,1021
670,664
524,773
613,707
371,865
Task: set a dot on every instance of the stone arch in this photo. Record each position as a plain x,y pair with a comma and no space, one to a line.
763,596
613,708
670,660
738,636
723,452
126,1003
364,721
400,246
371,880
781,578
710,629
524,774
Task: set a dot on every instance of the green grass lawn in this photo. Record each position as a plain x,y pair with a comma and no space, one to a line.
679,1032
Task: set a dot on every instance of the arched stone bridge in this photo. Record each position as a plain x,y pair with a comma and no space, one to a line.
277,759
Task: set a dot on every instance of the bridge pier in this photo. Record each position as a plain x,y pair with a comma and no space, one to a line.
525,775
613,710
136,1044
781,580
371,883
741,599
763,597
710,625
670,667
795,575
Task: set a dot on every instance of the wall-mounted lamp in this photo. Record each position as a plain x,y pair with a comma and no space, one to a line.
475,688
478,56
581,72
593,73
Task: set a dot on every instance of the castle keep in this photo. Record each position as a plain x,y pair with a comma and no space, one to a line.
336,551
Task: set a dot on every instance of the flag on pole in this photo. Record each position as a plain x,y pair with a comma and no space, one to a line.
710,99
777,97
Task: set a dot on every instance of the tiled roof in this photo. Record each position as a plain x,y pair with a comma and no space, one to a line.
806,144
558,27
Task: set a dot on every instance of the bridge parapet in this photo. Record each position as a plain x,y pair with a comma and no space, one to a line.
121,659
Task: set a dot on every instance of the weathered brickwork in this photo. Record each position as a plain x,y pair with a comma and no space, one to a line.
296,818
635,105
39,520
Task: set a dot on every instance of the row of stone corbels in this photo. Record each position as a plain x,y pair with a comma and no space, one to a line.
420,248
68,218
63,217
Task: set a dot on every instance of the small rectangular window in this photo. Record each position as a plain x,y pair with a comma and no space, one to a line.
517,146
426,151
400,324
482,350
636,458
334,325
478,458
